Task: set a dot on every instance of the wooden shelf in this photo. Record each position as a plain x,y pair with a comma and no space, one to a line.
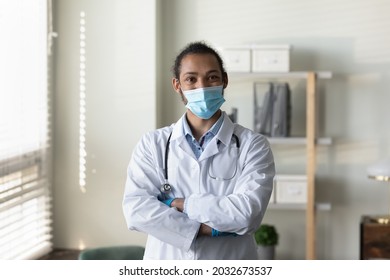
323,206
250,76
298,141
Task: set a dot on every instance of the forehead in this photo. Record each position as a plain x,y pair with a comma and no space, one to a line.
199,63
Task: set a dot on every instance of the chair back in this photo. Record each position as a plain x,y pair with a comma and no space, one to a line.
127,252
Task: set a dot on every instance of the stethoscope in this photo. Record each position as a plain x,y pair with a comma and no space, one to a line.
166,188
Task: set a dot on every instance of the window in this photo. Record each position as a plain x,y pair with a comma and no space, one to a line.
25,219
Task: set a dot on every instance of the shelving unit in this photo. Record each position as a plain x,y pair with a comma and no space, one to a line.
311,142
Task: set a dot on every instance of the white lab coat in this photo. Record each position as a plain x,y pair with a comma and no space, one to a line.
236,202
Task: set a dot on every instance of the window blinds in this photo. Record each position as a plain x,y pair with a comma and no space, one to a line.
25,220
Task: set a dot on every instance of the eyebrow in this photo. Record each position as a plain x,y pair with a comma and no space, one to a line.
207,73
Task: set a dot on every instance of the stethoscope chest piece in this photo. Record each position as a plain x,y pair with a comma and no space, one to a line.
166,188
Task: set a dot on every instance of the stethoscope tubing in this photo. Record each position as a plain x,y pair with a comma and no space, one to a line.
166,187
166,157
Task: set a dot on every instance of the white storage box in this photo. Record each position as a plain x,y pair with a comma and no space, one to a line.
271,58
237,59
290,188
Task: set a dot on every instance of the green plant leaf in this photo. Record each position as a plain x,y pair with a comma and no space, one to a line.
266,235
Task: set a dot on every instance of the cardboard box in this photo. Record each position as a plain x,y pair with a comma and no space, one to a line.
237,59
290,188
271,58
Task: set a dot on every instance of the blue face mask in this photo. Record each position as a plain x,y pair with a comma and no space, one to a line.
204,102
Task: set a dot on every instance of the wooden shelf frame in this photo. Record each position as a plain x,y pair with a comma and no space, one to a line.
311,121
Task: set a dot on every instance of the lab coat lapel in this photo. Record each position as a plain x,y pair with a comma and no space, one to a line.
223,136
178,138
211,149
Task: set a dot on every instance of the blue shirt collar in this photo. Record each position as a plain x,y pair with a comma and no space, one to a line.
213,130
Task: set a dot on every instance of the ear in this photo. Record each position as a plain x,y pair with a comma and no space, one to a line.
225,80
176,85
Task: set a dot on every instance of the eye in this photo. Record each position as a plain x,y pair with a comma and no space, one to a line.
214,78
190,79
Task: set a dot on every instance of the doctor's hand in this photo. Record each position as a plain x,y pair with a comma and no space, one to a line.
178,203
204,230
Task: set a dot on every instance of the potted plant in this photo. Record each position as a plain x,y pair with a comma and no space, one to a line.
266,238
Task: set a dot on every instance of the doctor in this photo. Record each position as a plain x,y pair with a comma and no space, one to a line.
200,187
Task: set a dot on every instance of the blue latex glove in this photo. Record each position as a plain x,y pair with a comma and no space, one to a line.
216,233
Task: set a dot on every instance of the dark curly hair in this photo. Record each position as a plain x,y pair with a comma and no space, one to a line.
195,48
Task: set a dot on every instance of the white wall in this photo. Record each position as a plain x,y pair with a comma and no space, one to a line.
349,38
120,107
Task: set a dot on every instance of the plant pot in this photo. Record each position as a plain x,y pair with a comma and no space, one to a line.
266,252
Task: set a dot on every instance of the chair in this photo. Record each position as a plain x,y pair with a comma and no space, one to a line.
113,253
